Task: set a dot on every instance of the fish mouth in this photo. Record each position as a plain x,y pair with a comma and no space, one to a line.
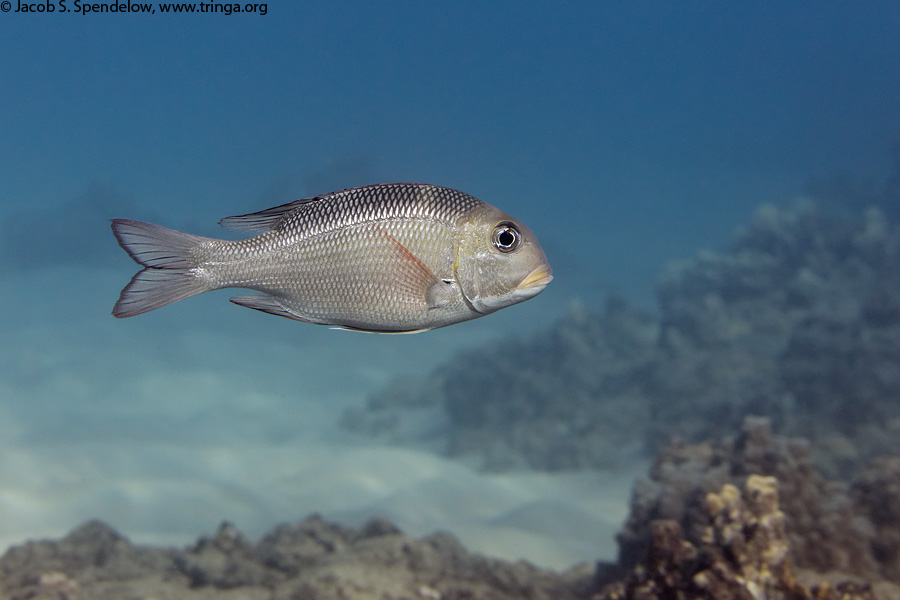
539,278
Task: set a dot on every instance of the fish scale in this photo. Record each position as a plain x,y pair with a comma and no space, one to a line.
403,201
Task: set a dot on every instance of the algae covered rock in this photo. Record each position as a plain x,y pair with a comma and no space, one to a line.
743,554
825,529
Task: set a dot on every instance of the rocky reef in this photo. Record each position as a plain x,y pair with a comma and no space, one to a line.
799,320
303,561
849,530
746,517
743,555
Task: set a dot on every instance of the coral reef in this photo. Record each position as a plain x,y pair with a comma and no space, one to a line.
823,532
691,534
824,528
798,321
742,555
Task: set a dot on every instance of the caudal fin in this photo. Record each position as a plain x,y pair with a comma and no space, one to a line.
168,274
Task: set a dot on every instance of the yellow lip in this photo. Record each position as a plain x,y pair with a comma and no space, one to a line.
540,276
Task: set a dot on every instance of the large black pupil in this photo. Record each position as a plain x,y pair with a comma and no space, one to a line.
506,238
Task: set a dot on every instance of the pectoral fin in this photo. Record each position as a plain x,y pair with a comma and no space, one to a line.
417,279
440,293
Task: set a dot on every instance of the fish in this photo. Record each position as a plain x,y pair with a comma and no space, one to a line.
382,258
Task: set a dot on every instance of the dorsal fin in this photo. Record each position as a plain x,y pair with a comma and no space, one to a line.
264,220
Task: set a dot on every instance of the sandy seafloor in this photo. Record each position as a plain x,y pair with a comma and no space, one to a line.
166,424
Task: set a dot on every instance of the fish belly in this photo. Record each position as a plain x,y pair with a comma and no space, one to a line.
374,276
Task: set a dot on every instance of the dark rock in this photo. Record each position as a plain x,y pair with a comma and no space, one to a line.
227,560
289,548
377,527
876,494
312,559
92,552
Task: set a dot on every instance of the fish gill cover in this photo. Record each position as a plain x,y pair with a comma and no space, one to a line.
799,321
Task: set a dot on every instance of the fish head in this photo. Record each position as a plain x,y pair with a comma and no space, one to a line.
499,260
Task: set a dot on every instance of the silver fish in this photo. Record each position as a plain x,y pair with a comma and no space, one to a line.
387,258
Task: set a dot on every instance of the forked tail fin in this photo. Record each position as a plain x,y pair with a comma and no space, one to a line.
168,274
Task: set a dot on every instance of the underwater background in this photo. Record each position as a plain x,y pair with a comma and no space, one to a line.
624,135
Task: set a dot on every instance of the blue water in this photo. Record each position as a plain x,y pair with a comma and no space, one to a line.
624,135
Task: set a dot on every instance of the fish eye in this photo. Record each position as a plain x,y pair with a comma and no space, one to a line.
506,237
